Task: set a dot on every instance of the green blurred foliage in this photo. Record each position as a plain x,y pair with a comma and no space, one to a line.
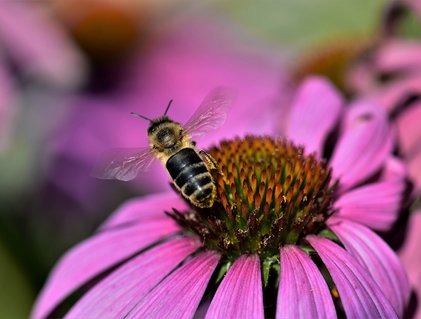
299,24
16,294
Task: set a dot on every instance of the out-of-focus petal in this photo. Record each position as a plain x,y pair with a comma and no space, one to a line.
303,292
399,55
394,170
374,205
96,255
409,129
118,293
364,145
240,293
360,295
7,107
392,94
38,45
377,257
415,171
179,295
410,255
314,113
147,208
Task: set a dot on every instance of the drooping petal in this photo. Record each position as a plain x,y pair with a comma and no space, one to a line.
409,130
146,208
374,205
96,255
378,258
364,145
303,292
397,55
415,171
410,254
179,295
390,95
394,169
314,113
38,45
240,293
118,293
7,107
360,295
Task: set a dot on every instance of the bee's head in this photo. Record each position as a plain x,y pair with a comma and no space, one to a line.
164,133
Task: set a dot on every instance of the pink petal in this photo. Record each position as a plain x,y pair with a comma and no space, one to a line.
391,94
364,145
394,169
360,295
410,255
96,255
314,113
399,54
303,292
374,205
415,172
38,44
378,258
240,293
7,107
118,293
179,295
145,208
409,130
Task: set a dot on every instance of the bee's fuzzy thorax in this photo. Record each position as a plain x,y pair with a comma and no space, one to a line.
156,123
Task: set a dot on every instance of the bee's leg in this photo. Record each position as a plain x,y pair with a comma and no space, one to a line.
193,143
210,161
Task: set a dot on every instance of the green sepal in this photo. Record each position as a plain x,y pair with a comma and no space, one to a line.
268,263
223,270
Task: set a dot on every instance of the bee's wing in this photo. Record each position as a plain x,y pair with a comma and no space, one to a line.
123,163
211,113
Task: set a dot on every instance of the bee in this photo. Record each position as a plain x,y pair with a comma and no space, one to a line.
172,144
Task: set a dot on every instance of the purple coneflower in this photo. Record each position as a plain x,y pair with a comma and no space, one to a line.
289,237
390,74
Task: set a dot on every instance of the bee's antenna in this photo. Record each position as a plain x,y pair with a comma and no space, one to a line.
168,107
141,116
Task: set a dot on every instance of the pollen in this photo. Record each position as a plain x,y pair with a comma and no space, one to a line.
269,194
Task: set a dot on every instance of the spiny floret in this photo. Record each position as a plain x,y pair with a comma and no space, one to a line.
269,194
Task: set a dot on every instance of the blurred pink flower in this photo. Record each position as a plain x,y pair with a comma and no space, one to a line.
391,75
6,107
38,45
170,279
181,60
36,48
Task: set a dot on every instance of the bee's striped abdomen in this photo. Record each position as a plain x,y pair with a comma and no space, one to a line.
191,175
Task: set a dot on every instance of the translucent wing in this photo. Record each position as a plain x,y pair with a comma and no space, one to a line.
212,113
123,163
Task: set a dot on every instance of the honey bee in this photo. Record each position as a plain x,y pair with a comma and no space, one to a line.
172,144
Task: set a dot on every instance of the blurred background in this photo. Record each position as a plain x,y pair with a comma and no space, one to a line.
72,70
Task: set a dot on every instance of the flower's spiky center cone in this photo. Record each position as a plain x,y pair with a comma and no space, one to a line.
269,194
